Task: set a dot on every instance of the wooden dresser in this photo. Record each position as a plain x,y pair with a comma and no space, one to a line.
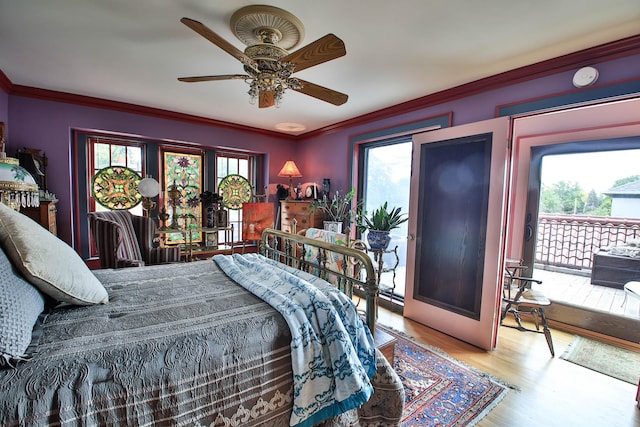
45,215
301,211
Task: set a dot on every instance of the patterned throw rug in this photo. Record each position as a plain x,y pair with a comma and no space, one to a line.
441,391
607,359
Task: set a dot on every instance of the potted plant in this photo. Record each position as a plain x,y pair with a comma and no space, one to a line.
379,224
336,209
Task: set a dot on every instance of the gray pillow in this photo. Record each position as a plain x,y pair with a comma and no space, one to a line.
47,262
20,306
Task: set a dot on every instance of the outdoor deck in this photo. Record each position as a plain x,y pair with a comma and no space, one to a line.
563,287
572,289
577,290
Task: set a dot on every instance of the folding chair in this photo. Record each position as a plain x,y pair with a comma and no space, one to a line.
519,298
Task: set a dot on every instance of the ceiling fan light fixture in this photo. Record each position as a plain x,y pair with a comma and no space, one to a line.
248,24
268,32
277,82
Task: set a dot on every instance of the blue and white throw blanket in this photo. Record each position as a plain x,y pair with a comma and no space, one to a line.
332,351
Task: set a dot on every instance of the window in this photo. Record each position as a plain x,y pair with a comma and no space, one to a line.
184,169
104,153
230,163
146,157
385,177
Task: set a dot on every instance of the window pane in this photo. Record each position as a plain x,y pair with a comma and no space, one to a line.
118,155
229,164
112,153
134,158
233,167
234,215
243,167
223,170
235,219
387,179
102,155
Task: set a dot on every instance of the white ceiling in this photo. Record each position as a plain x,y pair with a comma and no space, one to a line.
133,51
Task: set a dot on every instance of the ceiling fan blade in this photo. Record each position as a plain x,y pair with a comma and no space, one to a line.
211,78
266,99
322,50
208,34
322,93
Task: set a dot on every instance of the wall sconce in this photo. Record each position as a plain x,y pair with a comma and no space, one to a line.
17,186
290,170
148,188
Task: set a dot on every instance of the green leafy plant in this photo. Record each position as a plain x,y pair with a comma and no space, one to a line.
382,219
338,208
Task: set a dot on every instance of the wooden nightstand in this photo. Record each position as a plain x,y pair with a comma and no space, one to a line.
386,343
45,215
301,211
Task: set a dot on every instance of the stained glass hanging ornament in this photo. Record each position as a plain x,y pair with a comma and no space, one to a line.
234,190
116,188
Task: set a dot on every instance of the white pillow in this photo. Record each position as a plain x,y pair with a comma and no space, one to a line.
47,262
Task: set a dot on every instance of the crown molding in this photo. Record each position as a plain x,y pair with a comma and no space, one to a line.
5,83
605,52
88,101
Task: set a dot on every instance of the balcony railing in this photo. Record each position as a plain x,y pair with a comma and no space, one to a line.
570,240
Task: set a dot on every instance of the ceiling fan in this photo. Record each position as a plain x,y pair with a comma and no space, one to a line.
268,33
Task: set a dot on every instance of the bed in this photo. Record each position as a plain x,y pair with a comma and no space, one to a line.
184,344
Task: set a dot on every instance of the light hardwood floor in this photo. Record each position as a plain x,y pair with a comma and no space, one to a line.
552,392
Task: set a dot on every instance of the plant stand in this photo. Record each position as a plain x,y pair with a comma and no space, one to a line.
380,269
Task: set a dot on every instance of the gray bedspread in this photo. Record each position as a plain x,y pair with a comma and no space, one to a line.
178,344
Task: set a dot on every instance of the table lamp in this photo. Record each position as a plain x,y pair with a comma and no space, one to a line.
290,170
148,188
17,186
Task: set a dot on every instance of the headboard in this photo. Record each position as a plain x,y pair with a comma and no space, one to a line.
358,274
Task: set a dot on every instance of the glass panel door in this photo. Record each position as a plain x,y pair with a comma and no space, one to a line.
387,178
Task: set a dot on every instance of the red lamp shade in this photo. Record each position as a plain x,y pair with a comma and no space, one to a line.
290,170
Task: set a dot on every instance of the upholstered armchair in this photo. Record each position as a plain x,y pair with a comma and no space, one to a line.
126,240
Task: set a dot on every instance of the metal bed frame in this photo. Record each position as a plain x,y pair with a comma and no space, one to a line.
358,275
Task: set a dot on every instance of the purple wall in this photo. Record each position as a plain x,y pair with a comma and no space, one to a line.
4,110
48,126
318,154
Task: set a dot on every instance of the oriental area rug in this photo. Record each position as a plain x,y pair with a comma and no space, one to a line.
439,390
607,359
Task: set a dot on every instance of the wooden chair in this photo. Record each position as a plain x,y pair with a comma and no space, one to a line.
519,298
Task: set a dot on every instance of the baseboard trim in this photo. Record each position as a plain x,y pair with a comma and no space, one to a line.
618,330
594,335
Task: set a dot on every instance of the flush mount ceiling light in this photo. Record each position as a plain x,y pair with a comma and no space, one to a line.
290,127
268,33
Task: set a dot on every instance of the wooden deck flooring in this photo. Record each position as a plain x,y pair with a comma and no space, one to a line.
577,290
579,306
564,287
